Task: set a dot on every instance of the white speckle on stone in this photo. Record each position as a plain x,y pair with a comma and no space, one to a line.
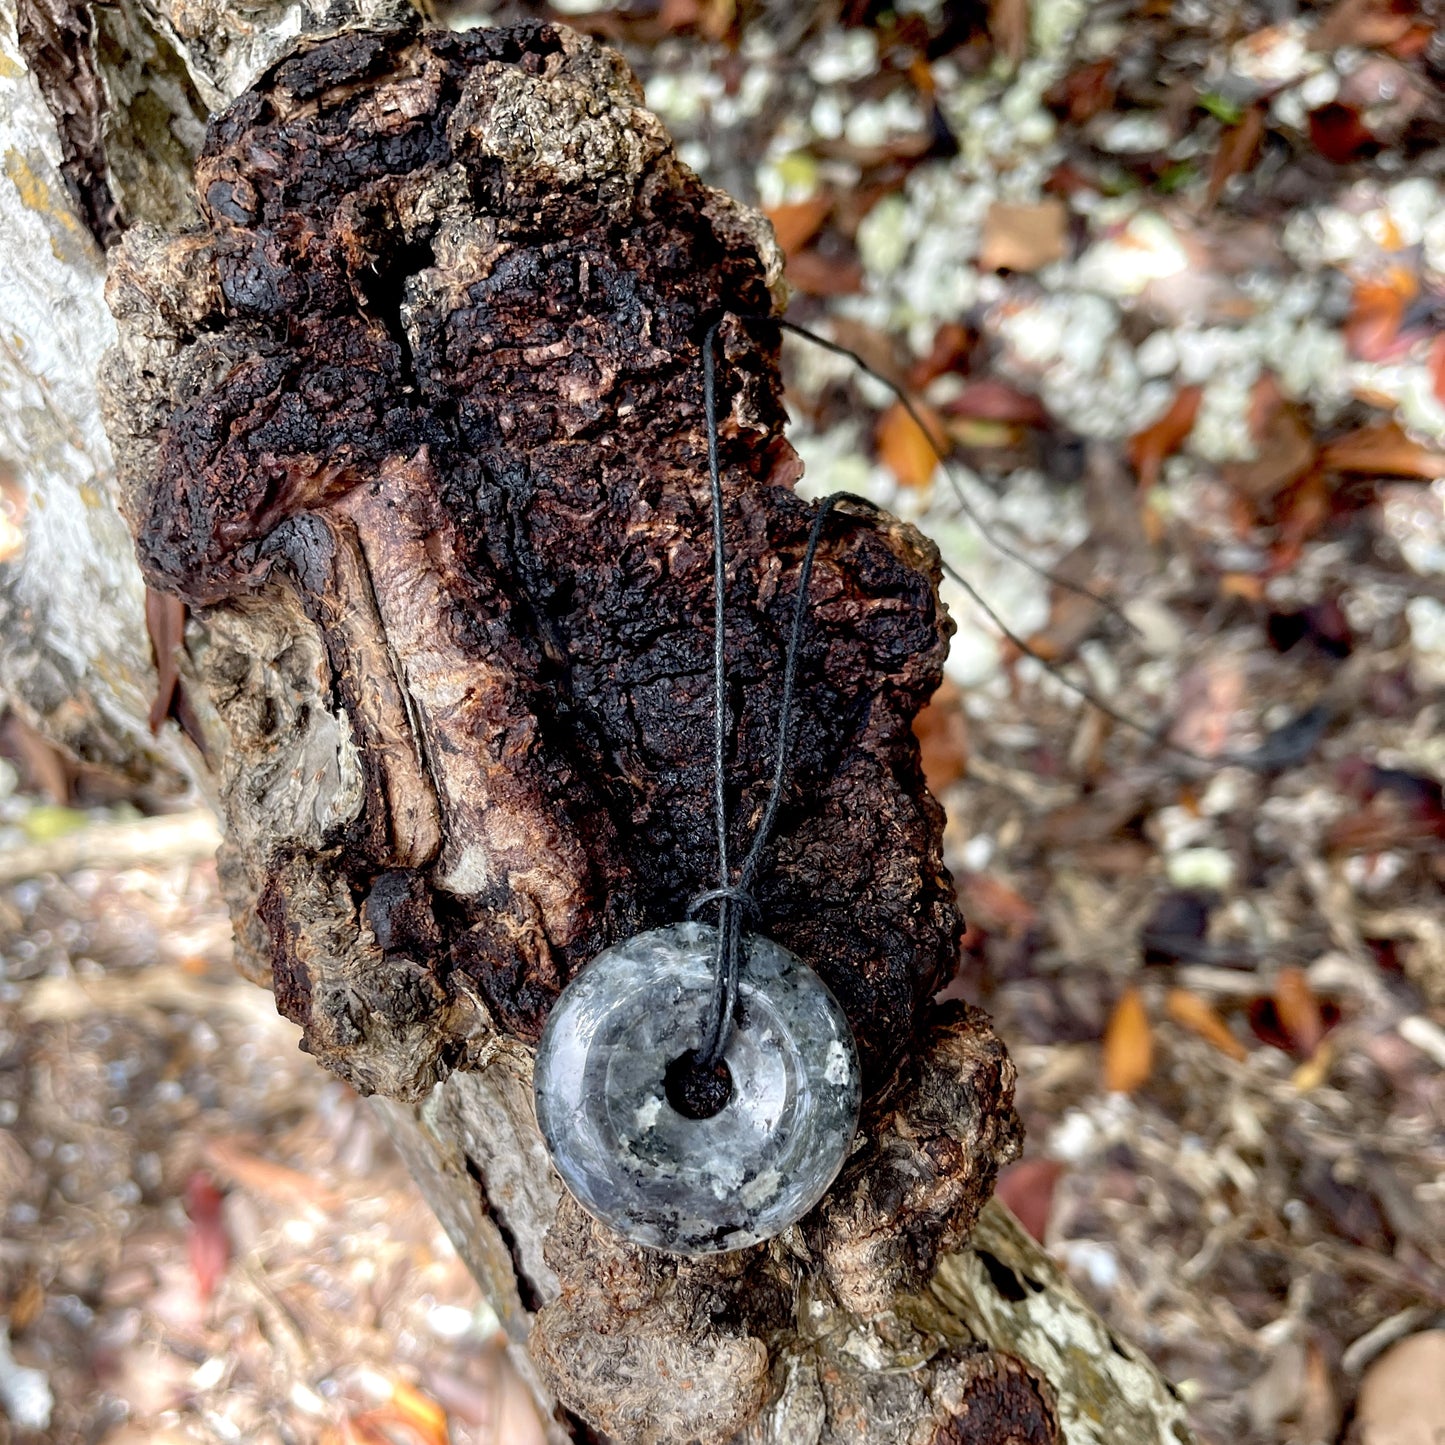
760,1190
836,1070
647,1112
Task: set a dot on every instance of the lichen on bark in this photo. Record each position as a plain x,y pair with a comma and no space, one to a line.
412,419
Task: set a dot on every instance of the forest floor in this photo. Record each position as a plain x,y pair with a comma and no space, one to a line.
1168,281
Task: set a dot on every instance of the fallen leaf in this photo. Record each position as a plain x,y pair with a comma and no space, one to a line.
815,274
273,1181
952,348
942,733
1024,237
1402,1396
796,223
1368,24
1377,311
208,1245
1150,448
905,448
1339,135
1027,1188
1191,1012
1084,93
1298,1010
1008,28
1128,1045
1382,450
990,400
1238,149
1284,444
996,906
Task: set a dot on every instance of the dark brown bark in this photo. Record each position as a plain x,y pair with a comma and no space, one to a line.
448,389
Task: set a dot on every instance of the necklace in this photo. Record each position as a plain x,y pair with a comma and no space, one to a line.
698,1086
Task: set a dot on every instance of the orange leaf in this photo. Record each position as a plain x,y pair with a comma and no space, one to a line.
1128,1045
1023,238
904,447
942,733
1238,147
1149,448
1191,1012
1377,309
1382,450
796,223
1298,1010
1437,368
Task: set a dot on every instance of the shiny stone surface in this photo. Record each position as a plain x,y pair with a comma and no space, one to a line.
696,1186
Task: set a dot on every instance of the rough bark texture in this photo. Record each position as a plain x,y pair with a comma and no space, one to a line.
411,420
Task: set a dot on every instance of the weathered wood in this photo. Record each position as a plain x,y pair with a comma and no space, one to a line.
410,418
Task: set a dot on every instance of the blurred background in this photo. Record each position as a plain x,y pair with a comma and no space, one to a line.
1168,281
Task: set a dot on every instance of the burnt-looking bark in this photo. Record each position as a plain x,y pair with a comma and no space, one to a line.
446,383
413,420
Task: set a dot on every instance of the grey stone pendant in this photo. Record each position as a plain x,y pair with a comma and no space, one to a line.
618,1110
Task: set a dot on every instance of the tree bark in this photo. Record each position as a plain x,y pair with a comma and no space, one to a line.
407,416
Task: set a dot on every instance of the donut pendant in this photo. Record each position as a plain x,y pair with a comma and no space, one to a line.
669,1157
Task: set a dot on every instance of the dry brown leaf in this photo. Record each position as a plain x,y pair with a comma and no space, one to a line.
1149,449
904,447
1027,1188
1338,133
996,906
796,223
1238,148
1284,443
952,347
1382,450
1008,27
942,733
1128,1045
1084,93
992,400
1024,238
815,274
1298,1010
1369,24
1191,1012
1402,1397
274,1181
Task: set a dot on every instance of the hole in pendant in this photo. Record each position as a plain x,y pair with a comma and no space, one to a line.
696,1092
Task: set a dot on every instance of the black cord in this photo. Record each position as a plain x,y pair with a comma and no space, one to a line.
734,898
